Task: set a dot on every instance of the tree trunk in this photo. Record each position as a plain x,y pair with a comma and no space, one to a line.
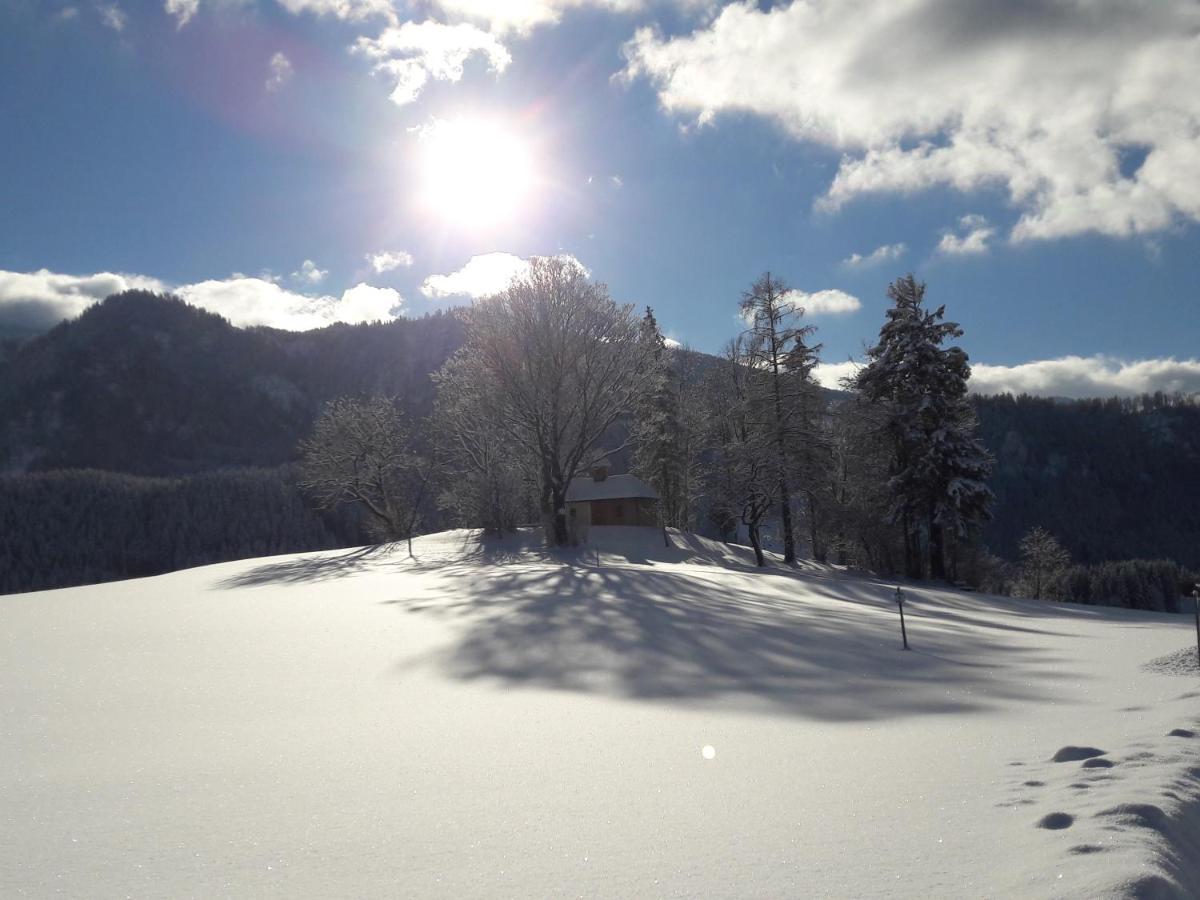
562,536
937,556
759,559
912,549
785,514
814,531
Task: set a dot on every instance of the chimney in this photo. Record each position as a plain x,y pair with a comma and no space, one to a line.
600,470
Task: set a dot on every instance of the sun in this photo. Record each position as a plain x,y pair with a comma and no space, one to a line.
474,172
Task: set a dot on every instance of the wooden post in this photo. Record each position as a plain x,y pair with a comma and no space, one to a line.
1196,609
900,603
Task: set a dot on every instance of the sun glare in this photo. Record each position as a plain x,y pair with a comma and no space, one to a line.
474,172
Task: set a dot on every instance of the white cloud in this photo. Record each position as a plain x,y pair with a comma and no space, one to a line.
255,301
182,10
973,239
414,52
40,299
875,257
387,260
364,303
279,72
826,303
309,272
1088,376
342,9
830,375
482,276
112,16
1053,102
522,16
1069,376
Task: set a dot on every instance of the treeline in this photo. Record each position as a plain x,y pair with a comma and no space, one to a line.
893,478
1045,572
1157,585
65,528
147,385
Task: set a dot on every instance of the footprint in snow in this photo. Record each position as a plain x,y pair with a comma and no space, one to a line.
1035,784
1181,732
1080,849
1071,753
1097,763
1056,821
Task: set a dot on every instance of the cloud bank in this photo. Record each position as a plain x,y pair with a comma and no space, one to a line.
1089,376
39,300
1085,114
1075,377
482,276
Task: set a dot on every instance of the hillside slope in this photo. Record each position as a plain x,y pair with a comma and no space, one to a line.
147,385
492,720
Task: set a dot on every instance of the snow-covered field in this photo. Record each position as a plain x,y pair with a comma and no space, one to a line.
636,722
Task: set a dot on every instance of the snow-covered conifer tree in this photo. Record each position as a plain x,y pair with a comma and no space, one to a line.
661,452
939,466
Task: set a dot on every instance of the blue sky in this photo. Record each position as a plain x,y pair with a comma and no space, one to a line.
1038,166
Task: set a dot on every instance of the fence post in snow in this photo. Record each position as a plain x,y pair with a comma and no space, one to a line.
1196,610
904,634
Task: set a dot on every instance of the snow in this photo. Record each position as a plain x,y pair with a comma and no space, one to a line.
632,720
614,487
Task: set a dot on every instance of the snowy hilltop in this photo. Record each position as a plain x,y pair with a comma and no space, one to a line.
489,719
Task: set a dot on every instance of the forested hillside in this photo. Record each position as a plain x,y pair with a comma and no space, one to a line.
85,526
1111,479
149,385
146,385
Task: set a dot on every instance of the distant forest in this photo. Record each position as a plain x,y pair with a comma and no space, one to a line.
148,435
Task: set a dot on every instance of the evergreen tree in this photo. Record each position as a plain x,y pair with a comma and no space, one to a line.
939,466
660,454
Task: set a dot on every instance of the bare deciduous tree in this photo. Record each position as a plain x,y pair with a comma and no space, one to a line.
361,452
482,469
565,361
1042,558
743,476
780,363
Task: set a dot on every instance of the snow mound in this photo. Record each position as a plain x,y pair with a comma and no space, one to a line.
488,718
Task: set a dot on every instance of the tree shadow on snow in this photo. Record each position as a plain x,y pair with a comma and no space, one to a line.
298,570
732,638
